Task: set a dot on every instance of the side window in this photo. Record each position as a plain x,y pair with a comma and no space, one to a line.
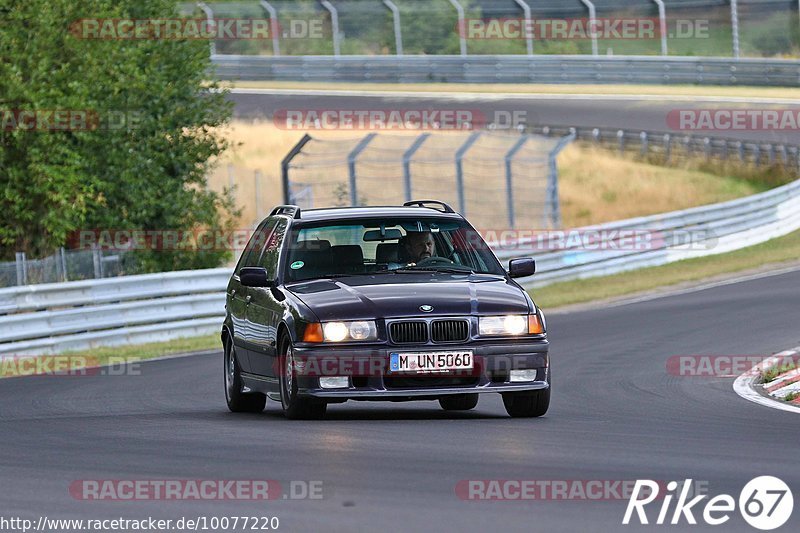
252,252
269,259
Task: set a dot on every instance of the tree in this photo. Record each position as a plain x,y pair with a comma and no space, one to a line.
140,160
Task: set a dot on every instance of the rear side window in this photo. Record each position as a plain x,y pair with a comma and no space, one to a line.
272,248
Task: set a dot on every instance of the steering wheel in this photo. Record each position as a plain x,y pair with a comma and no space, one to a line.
434,260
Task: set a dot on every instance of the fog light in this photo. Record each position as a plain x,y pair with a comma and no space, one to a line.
523,375
334,383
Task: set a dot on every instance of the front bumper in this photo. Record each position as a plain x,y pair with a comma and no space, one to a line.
493,361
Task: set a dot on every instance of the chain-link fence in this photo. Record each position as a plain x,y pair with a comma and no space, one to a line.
65,265
497,180
747,28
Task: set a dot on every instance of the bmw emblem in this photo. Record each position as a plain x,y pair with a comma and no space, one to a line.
426,308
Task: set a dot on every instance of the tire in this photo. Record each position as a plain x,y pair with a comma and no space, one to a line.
295,407
527,404
239,402
459,402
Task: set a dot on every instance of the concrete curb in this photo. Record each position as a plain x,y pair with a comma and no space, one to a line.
751,387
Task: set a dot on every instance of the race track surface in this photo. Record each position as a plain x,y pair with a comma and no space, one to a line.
588,111
617,414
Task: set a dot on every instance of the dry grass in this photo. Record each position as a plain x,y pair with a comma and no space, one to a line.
532,88
595,185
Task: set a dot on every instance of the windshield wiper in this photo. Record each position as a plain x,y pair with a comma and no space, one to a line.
445,269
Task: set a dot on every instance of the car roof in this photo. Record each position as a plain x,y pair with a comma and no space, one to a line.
350,213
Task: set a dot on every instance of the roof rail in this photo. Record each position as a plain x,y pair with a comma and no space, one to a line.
421,203
290,210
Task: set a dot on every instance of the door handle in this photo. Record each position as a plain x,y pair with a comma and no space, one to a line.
248,298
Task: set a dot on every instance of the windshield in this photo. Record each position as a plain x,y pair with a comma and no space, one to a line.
335,249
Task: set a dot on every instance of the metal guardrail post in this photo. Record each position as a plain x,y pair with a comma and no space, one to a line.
287,191
334,25
97,263
63,260
210,18
643,144
526,9
707,148
596,135
273,27
416,145
667,147
398,34
552,179
462,27
592,24
351,166
510,178
735,27
662,21
462,205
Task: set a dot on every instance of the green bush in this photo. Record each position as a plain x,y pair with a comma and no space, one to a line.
145,172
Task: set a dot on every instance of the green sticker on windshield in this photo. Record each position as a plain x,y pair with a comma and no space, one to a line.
296,265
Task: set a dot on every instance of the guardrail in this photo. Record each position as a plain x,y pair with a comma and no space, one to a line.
51,318
512,69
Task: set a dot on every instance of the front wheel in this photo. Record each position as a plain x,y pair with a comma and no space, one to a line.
459,402
296,407
239,402
527,404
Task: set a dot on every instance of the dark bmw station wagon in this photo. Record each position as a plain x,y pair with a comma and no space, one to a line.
380,303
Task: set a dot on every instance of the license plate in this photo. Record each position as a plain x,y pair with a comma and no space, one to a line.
422,362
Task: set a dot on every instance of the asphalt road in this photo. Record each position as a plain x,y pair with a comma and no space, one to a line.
588,111
617,414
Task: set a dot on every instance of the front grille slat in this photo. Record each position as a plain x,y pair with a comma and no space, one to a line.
408,332
449,330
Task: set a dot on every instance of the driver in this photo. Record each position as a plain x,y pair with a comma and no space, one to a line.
419,245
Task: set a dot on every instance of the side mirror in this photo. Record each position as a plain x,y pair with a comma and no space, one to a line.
522,267
255,277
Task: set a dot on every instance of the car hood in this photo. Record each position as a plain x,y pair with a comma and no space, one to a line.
366,297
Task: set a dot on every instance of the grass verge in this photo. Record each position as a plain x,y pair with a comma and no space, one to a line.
775,251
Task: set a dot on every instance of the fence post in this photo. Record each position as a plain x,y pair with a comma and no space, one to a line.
667,147
257,179
740,150
643,144
771,153
22,271
287,191
662,19
757,154
334,26
735,27
592,25
416,145
462,28
526,10
210,19
63,258
552,180
273,27
621,141
596,135
351,166
462,205
398,34
510,179
707,148
96,263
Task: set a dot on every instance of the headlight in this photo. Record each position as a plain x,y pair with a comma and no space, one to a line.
359,330
510,325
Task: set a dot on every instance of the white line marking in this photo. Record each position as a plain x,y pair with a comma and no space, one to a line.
468,96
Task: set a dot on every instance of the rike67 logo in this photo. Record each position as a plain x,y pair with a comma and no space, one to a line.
765,503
